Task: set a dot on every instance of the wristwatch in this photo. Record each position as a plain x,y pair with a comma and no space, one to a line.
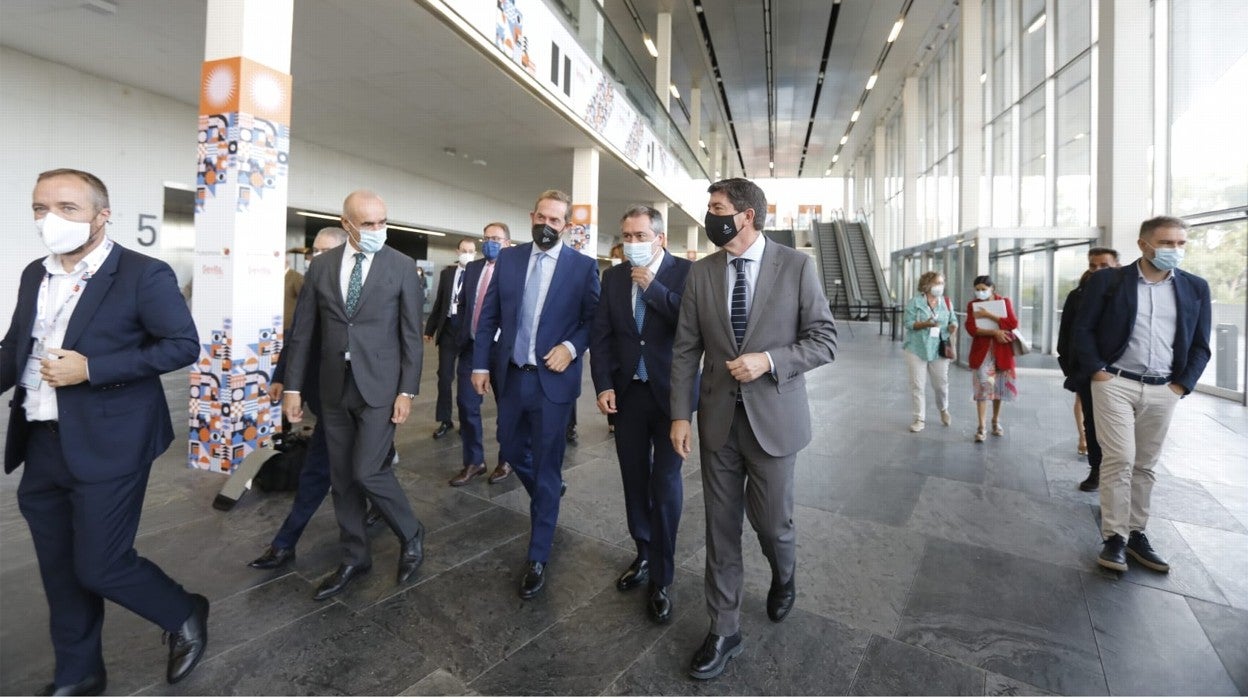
409,396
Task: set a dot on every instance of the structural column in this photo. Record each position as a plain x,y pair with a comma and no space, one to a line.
693,238
583,236
879,175
695,121
663,64
240,228
911,130
971,128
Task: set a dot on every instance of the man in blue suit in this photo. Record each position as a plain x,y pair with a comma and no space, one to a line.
94,328
631,362
540,304
1142,338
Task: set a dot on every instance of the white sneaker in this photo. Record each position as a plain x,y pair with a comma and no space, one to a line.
917,426
946,418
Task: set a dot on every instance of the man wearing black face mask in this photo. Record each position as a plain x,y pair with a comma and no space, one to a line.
541,303
755,316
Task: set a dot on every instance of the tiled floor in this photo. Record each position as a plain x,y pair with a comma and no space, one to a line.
927,565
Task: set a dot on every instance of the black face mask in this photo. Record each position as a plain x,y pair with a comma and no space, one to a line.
720,229
545,236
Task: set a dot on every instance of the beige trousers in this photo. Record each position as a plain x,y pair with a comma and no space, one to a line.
919,371
1131,423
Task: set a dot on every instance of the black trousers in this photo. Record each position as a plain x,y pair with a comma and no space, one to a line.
448,352
1084,391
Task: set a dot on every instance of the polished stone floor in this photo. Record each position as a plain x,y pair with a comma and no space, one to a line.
927,565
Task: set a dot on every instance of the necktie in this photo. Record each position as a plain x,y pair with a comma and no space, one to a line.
456,286
639,314
355,284
525,334
482,286
739,291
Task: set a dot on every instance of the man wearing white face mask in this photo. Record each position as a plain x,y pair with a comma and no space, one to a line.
442,328
1142,335
94,328
631,361
365,299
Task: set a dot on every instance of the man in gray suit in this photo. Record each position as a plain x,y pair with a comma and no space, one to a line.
758,314
366,299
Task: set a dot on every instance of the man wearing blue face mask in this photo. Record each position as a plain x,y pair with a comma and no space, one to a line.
1142,336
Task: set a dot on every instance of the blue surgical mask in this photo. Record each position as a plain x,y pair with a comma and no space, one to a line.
490,249
371,241
1166,258
639,253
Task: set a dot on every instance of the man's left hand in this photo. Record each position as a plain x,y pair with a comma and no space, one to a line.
747,367
1178,389
68,368
402,408
558,358
642,276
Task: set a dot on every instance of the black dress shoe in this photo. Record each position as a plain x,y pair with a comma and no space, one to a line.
780,597
1113,554
273,558
373,518
1139,548
443,429
93,685
660,604
571,435
335,583
534,579
713,655
638,573
187,645
412,555
1093,483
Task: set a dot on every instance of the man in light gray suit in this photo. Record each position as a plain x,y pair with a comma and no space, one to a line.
758,314
366,299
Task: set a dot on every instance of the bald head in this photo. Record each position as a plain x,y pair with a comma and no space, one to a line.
362,210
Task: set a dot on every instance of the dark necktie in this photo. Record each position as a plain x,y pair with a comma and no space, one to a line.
739,290
355,284
639,314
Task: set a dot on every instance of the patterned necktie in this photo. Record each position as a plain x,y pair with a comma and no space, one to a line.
355,284
739,290
482,286
639,314
525,334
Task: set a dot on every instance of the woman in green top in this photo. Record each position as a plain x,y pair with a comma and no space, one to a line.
929,319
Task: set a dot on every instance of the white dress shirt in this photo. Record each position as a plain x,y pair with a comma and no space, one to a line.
754,253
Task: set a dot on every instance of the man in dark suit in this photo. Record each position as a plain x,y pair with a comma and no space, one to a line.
478,276
94,328
1142,338
756,316
365,300
442,328
541,304
631,361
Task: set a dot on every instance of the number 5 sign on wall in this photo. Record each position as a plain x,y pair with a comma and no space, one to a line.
146,226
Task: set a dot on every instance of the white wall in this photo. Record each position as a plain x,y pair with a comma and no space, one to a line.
134,140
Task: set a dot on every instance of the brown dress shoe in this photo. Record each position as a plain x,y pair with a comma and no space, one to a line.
502,472
468,474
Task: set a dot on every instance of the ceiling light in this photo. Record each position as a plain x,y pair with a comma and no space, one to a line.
479,162
675,92
310,214
1079,135
772,165
892,35
654,50
406,229
1035,26
836,157
871,80
702,144
983,78
854,117
844,140
827,172
450,151
698,7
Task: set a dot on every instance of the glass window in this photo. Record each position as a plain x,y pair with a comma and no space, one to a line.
1032,28
1031,151
1073,32
1004,201
1074,153
1219,254
1002,73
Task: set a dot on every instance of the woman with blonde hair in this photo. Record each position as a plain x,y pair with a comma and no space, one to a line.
931,329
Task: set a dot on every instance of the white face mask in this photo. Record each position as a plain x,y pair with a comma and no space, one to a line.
983,295
616,261
639,253
465,258
62,236
937,291
371,241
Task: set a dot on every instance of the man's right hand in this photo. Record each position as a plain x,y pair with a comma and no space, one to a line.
682,437
606,402
292,407
1102,376
275,392
428,338
481,382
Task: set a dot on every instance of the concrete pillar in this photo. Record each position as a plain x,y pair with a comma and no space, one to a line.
663,64
693,238
715,164
1121,138
583,220
971,127
912,149
695,121
881,229
240,228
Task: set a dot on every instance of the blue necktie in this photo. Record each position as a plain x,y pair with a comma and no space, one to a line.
526,333
639,314
739,290
355,284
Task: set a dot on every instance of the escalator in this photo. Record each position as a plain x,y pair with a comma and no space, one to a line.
865,267
832,267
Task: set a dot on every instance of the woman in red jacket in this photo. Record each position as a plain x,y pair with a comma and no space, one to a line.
992,355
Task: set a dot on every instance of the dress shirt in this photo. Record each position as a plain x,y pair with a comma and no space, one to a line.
348,263
457,287
55,293
754,253
1150,349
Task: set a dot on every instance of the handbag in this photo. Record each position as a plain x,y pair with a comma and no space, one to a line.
945,348
1020,344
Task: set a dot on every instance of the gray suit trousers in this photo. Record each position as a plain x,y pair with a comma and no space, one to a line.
742,477
359,439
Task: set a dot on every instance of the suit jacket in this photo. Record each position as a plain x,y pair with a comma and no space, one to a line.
566,316
1065,339
1107,315
132,325
311,390
437,321
789,317
616,345
468,301
383,335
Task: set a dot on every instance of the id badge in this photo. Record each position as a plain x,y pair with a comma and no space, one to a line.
933,331
31,376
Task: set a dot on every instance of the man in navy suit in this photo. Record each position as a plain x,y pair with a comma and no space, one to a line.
94,328
1142,337
631,362
442,328
478,276
541,303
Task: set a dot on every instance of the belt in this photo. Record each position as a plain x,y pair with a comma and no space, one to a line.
525,367
50,424
1146,380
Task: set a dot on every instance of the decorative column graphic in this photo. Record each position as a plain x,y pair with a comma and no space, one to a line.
583,218
240,233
